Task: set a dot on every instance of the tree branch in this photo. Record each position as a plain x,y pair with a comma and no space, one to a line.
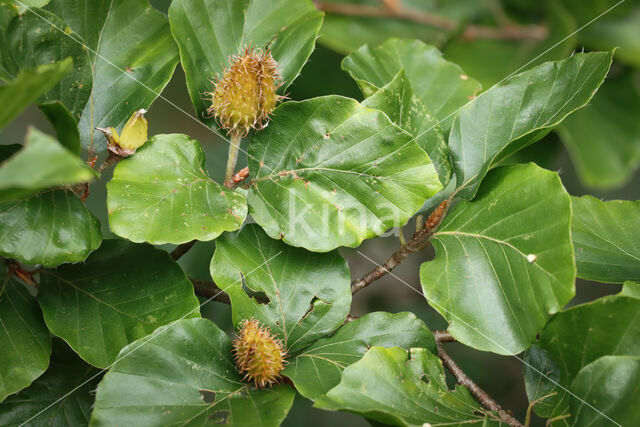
182,249
395,10
443,336
418,241
479,394
209,290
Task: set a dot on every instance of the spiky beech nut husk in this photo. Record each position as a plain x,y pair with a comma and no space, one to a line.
258,354
245,95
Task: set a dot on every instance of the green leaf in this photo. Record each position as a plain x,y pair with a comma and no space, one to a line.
610,385
344,174
398,101
42,163
27,87
386,387
209,33
133,57
519,112
62,396
163,194
630,289
319,367
38,37
184,374
490,60
606,236
604,137
24,338
309,294
578,336
121,293
64,124
49,229
541,376
504,261
442,86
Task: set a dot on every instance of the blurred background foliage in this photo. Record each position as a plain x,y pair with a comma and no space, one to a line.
596,150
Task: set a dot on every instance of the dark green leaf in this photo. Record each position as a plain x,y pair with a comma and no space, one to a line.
184,374
58,398
24,338
133,57
27,87
39,37
65,125
441,85
606,236
609,392
576,337
49,228
519,112
42,163
309,294
163,194
541,376
604,137
121,293
344,174
398,101
504,261
319,367
209,33
388,388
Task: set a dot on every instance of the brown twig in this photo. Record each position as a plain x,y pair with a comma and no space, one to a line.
443,336
182,249
209,290
505,32
418,241
112,159
479,394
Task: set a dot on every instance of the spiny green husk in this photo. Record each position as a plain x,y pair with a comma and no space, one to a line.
245,95
258,354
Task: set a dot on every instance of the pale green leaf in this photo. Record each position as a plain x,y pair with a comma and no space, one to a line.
38,37
24,338
345,173
48,229
61,397
184,374
29,84
398,101
442,86
606,236
42,163
579,335
133,57
319,367
504,261
388,388
604,137
519,112
121,293
209,33
630,289
309,294
163,194
609,393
